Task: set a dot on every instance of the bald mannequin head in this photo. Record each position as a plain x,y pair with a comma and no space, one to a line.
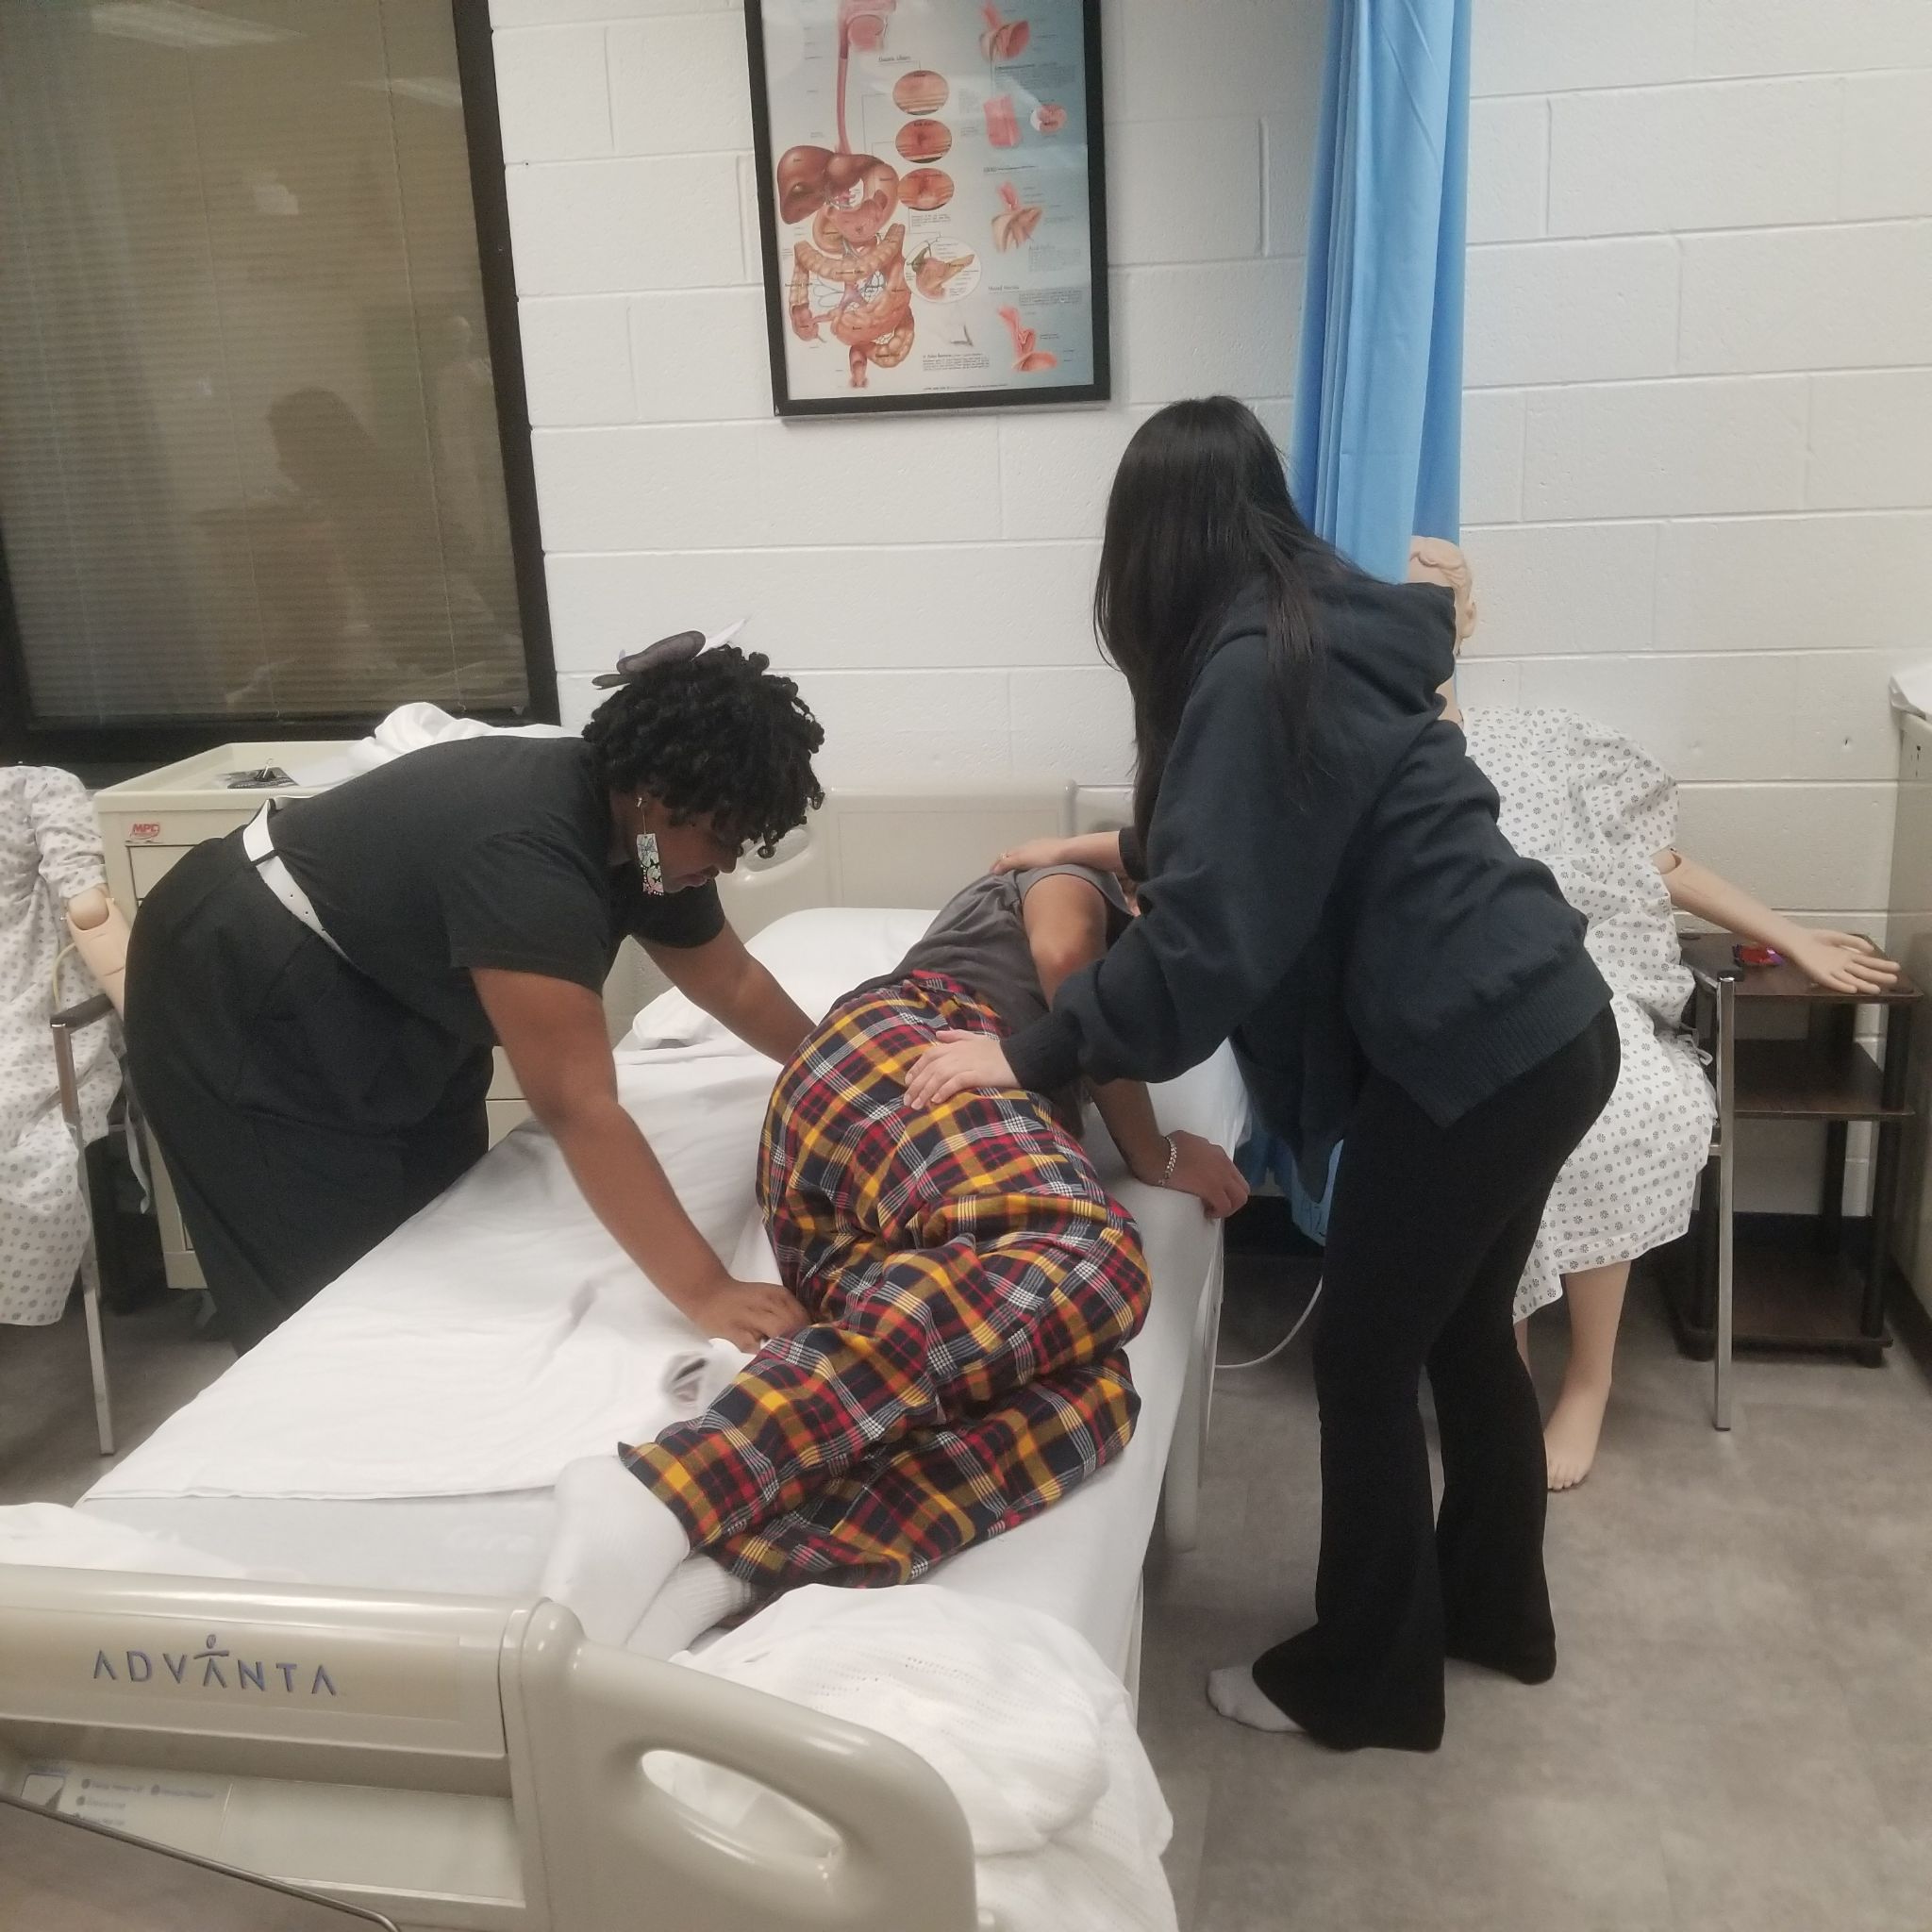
1435,560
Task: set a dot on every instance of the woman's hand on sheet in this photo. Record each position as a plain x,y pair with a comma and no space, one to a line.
748,1314
1842,961
961,1063
1202,1170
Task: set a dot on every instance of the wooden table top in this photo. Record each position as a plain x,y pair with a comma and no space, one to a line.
1709,955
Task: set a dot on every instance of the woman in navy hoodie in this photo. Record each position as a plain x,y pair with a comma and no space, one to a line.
1323,882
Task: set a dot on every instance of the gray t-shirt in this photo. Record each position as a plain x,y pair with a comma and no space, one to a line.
980,938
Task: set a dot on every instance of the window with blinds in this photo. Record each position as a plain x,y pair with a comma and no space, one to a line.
250,465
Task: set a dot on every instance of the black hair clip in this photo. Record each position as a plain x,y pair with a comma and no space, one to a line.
678,648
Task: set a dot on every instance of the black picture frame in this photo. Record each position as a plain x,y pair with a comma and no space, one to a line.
871,402
106,753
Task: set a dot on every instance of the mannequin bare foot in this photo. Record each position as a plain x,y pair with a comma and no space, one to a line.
1596,1304
1570,1435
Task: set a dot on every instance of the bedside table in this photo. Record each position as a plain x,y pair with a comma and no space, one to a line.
1776,1282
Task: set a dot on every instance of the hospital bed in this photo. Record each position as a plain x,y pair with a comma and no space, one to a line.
411,1727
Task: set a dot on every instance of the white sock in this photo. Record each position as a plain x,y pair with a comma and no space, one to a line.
701,1592
1234,1693
615,1548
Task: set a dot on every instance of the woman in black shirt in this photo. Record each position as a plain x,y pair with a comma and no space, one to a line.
1325,885
314,1070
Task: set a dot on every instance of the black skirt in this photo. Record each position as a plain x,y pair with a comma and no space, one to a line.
302,1113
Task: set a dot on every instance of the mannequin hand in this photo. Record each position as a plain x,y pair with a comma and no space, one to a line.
1034,853
1842,961
961,1063
746,1313
1203,1171
100,937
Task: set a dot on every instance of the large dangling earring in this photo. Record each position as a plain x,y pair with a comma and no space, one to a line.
650,866
650,863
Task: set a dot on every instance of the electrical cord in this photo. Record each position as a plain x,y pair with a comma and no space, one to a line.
53,976
1301,1322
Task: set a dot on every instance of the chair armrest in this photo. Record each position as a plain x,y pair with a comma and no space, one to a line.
85,1015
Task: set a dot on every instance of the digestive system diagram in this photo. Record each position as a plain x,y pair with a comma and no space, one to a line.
850,282
849,274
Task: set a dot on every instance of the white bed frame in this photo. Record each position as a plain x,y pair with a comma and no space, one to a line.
483,1759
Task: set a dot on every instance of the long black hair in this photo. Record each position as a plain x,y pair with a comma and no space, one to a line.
1198,511
715,734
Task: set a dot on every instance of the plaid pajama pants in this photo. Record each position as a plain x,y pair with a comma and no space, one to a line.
971,1285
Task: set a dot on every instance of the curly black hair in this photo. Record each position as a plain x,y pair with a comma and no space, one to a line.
718,736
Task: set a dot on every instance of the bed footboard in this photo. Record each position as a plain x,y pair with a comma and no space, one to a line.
454,1764
614,1840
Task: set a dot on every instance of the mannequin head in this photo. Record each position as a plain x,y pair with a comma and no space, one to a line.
1435,560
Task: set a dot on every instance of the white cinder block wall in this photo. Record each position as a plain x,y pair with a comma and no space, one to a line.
927,578
1698,433
1698,444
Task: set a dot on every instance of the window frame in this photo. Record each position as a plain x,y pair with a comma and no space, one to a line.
101,753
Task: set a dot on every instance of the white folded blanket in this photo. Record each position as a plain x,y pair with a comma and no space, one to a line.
46,1533
498,1336
410,727
433,1412
1032,1733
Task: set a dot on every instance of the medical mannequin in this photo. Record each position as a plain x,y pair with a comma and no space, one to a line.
1593,808
51,899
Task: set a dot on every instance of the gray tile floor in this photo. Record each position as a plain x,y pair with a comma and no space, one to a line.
157,1360
1739,1739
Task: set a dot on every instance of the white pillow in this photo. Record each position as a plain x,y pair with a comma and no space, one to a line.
821,954
816,956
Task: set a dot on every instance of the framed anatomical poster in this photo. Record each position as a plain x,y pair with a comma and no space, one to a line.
931,201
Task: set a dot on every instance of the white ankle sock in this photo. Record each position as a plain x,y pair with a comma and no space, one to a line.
615,1548
701,1592
1234,1693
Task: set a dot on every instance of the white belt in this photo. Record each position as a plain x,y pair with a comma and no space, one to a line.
276,877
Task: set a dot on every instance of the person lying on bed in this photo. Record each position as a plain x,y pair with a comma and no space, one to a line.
971,1287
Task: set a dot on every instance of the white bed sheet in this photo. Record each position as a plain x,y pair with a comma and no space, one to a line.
1079,1561
492,1337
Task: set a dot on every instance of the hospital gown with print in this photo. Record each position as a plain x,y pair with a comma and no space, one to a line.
1596,810
50,852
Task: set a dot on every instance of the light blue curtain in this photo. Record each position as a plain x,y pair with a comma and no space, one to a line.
1377,451
1378,399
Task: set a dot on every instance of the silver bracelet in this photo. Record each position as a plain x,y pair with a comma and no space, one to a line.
1173,1160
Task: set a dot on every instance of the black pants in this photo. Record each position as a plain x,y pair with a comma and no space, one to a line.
301,1112
1427,1238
